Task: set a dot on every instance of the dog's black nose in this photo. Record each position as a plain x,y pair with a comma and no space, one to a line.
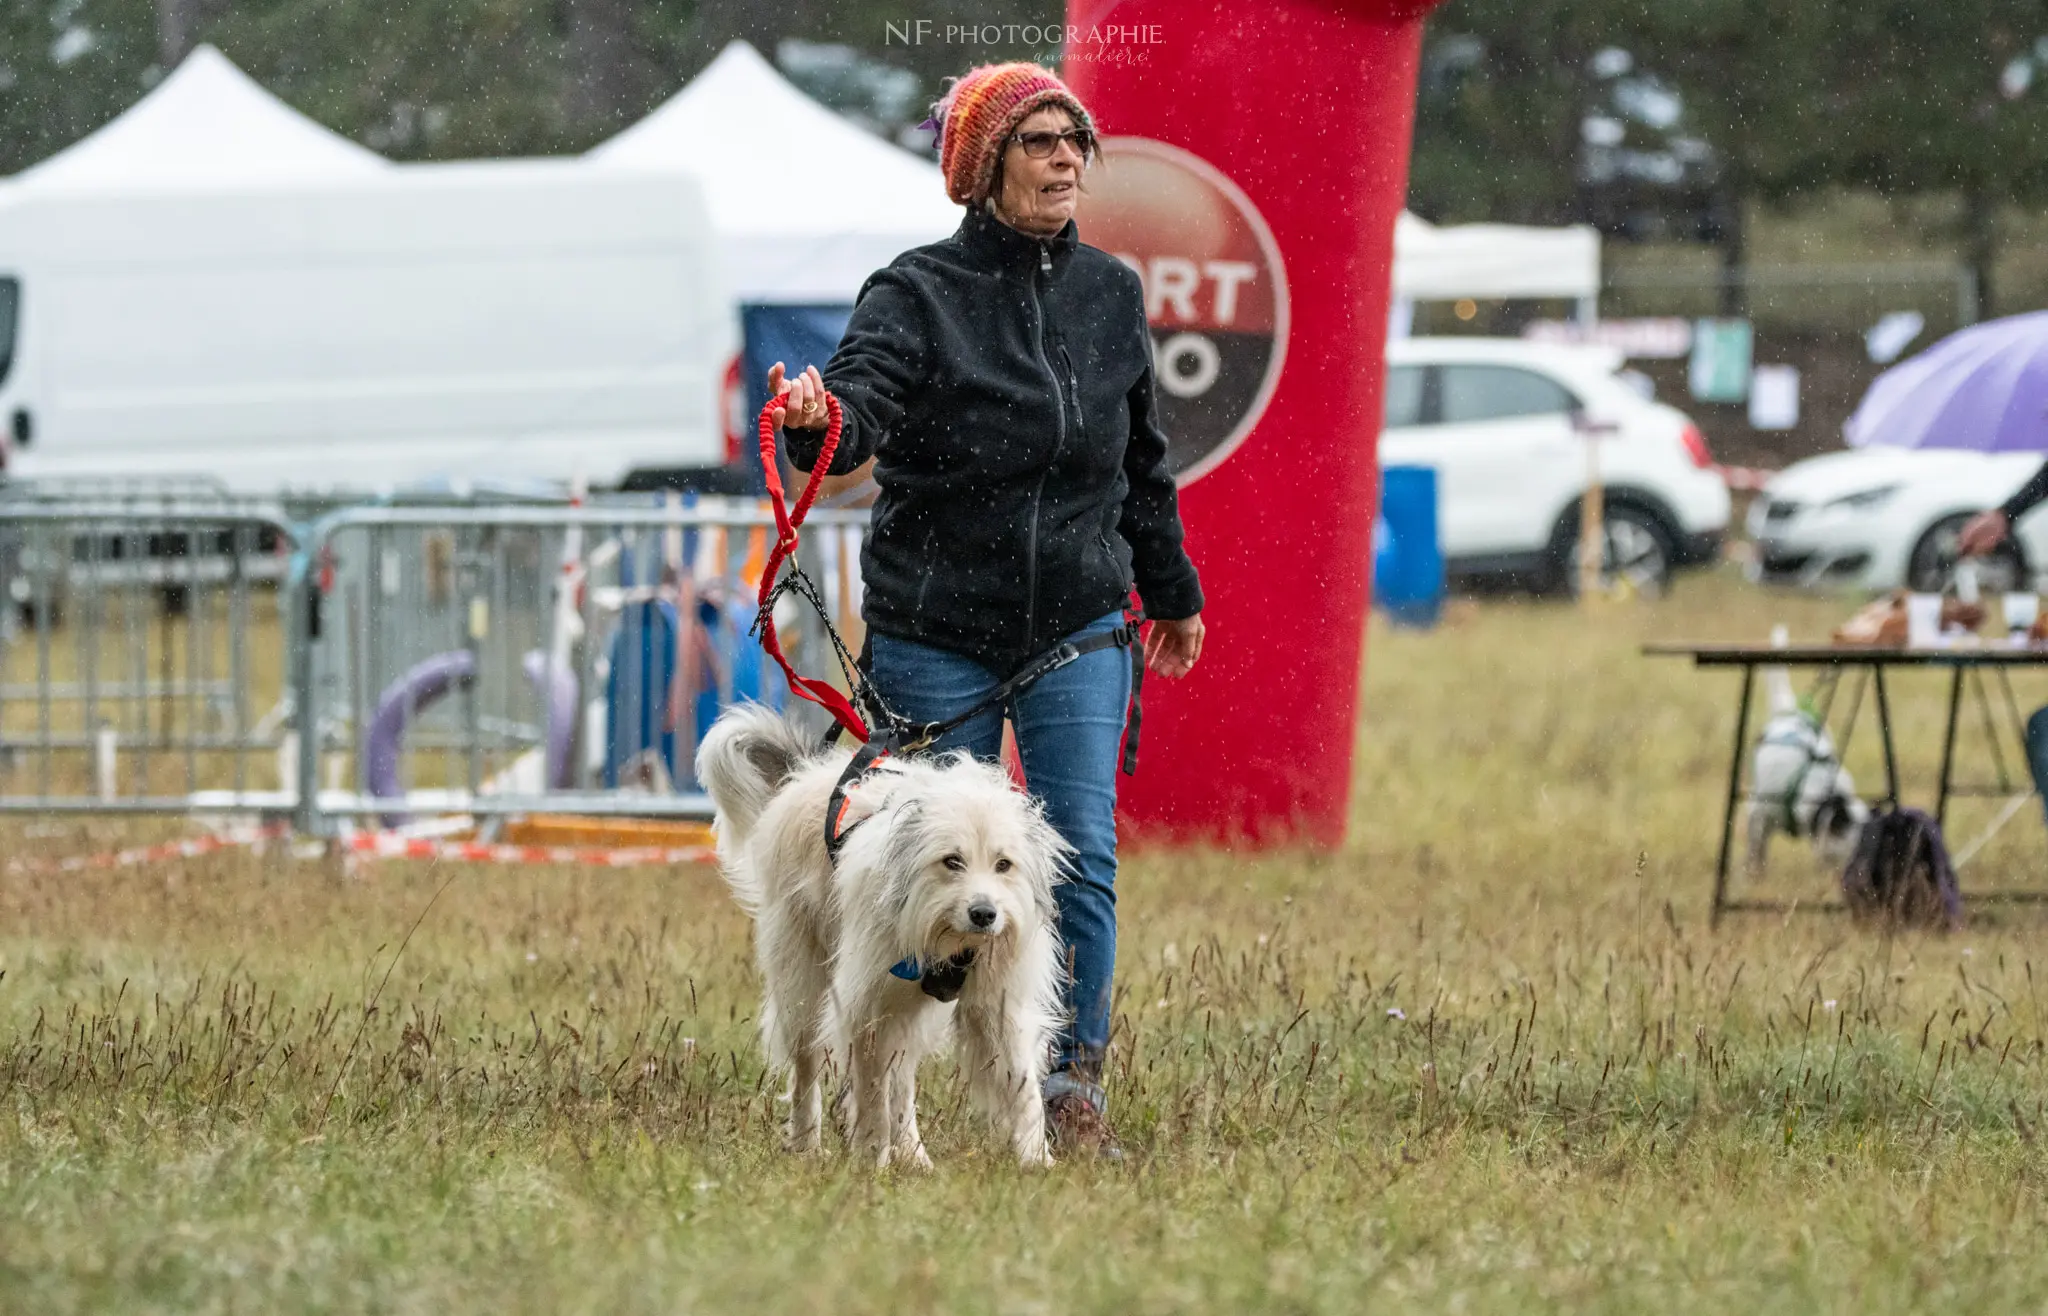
981,913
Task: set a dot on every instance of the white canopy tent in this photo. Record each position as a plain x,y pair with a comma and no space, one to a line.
208,125
748,136
1494,260
740,117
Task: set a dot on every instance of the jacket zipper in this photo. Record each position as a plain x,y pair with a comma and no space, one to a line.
1038,498
1074,382
924,557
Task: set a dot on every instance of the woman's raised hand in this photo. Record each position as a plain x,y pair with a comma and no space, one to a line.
1171,647
806,407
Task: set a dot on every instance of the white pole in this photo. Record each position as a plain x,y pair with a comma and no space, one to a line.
1592,523
103,746
1592,508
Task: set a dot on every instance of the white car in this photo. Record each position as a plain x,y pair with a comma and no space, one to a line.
1883,518
1506,424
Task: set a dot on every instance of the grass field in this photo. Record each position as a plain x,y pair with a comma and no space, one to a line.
1488,1057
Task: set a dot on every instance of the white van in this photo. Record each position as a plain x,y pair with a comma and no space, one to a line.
513,320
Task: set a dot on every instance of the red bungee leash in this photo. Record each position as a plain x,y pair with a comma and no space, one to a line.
787,520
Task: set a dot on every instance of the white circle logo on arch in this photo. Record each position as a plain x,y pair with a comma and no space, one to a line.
1215,291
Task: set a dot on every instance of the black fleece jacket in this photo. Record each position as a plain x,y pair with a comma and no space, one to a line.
2027,497
1003,383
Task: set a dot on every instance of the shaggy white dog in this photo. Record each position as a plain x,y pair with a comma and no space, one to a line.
945,869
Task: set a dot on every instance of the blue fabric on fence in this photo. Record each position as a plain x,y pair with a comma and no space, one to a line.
643,665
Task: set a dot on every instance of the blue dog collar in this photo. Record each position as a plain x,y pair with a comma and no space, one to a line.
941,982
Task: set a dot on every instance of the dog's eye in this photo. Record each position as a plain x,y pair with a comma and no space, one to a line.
1003,865
955,863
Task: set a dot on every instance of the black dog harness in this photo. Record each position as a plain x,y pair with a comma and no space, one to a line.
896,734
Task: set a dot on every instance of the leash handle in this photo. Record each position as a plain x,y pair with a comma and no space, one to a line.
787,520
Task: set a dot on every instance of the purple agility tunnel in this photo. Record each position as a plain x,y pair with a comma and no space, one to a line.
428,682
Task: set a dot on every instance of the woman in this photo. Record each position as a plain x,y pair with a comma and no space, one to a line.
1002,382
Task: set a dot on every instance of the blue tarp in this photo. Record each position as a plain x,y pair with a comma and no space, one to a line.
797,336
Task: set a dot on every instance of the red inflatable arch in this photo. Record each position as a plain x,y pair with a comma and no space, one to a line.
1256,158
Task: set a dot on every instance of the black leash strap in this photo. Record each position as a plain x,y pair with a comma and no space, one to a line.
895,734
1134,715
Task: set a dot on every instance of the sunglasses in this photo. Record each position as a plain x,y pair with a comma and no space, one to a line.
1041,145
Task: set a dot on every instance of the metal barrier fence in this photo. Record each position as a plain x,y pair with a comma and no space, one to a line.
114,488
137,673
494,661
181,652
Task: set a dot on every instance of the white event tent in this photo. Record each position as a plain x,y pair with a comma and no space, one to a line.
806,204
207,125
735,127
1494,261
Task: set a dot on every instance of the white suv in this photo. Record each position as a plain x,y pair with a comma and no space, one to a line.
1504,422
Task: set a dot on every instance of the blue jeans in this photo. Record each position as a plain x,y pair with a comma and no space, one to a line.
1069,733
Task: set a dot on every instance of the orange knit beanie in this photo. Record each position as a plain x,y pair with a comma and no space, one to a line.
980,111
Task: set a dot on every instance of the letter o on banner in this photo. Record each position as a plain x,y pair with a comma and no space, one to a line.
1188,365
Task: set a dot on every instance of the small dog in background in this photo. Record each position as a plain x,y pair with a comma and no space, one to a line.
1798,783
942,889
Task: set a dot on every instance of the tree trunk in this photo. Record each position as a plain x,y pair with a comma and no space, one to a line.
1980,243
1734,257
611,77
177,27
722,21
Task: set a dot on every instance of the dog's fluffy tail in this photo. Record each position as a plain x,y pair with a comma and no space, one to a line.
746,756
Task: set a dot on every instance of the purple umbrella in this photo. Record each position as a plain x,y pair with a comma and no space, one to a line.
1984,388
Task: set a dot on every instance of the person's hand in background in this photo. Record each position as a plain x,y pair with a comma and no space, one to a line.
1982,533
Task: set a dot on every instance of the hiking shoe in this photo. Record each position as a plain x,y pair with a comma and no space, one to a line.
1074,1122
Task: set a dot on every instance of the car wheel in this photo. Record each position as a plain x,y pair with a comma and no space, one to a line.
1933,562
1636,554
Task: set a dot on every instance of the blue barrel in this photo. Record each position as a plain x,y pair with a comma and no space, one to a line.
1408,558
